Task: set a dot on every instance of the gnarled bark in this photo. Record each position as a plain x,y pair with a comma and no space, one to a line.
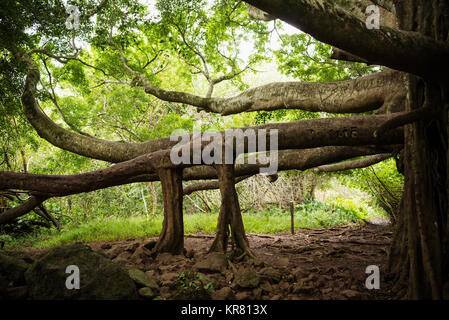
420,252
230,216
171,238
399,49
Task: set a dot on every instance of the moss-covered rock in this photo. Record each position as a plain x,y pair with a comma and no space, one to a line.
100,278
142,279
147,293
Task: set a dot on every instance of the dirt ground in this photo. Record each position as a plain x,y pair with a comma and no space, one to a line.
326,264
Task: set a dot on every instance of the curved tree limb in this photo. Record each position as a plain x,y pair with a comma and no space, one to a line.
13,213
352,96
346,96
398,49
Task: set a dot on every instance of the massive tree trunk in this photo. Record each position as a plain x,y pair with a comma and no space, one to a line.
420,249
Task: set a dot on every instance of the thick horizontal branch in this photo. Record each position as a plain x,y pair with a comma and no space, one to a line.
66,185
352,96
327,22
354,164
143,169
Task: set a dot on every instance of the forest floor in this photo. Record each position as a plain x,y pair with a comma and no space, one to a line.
311,264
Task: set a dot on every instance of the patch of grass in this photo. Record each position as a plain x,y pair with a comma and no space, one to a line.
311,214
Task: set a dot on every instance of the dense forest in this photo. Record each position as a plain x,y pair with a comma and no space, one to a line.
224,149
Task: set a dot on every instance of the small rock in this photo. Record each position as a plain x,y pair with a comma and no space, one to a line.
140,256
257,263
283,262
151,273
248,278
147,293
351,294
168,258
257,293
276,297
142,279
299,274
223,294
213,262
270,274
326,290
168,279
284,286
243,295
302,287
266,287
122,258
132,247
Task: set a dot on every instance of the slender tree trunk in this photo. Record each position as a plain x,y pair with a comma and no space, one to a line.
230,216
171,238
420,247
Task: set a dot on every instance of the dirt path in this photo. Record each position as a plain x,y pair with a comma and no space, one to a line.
312,264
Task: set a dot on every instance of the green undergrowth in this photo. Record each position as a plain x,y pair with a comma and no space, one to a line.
311,214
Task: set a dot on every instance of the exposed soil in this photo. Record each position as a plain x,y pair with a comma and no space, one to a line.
312,264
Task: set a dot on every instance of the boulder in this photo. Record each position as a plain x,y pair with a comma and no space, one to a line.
100,278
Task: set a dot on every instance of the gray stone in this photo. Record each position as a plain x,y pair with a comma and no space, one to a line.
248,278
213,262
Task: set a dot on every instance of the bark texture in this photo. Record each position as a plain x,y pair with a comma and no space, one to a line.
171,238
419,253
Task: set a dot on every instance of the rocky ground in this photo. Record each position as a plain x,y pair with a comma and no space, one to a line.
312,264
